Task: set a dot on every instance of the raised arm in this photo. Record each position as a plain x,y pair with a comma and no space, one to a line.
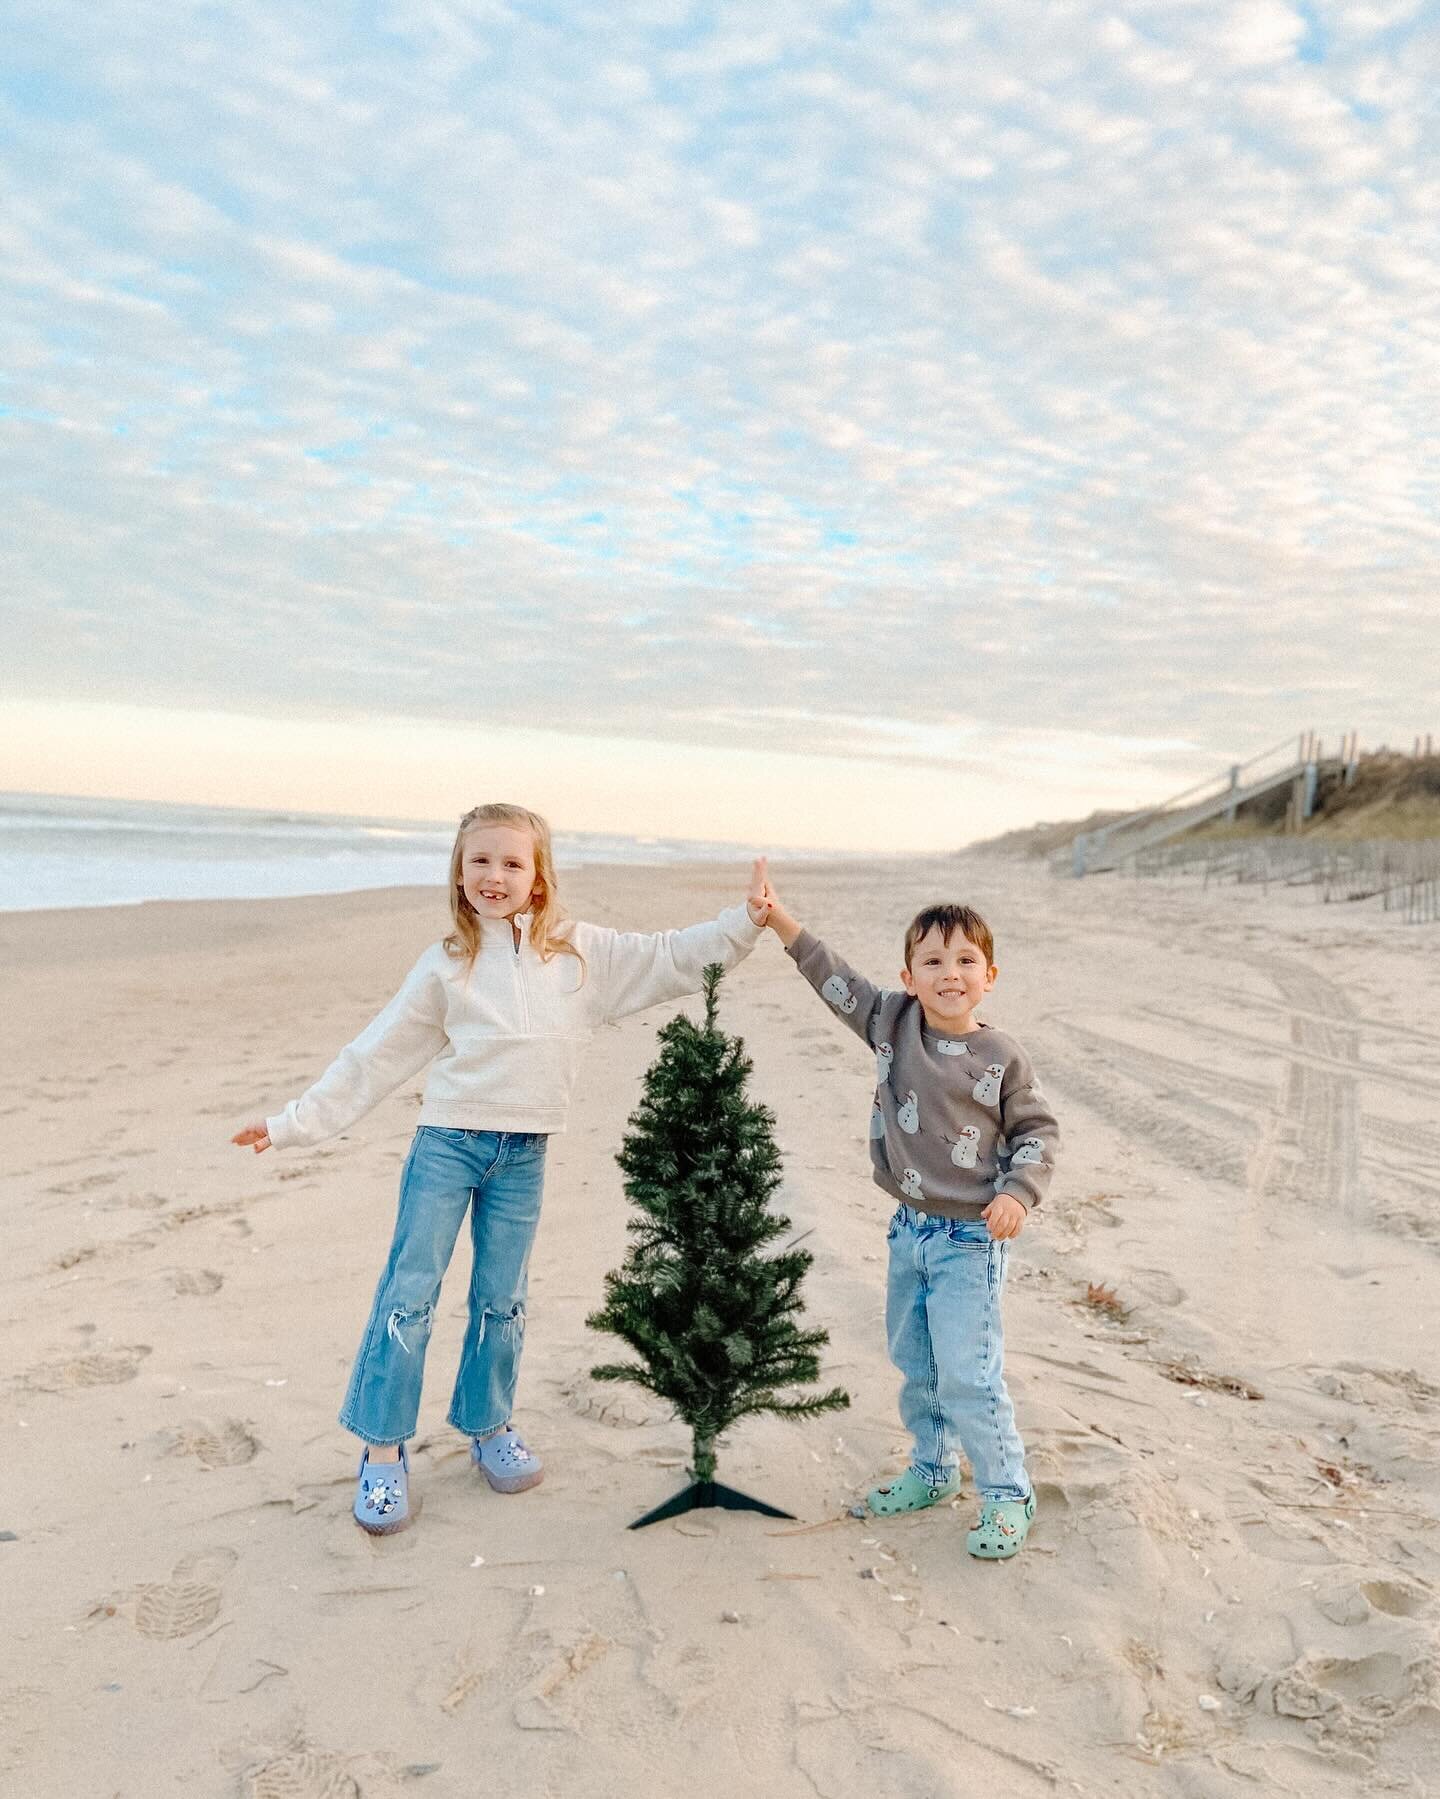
635,969
849,995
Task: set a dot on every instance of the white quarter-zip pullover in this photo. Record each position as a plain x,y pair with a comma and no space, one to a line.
506,1033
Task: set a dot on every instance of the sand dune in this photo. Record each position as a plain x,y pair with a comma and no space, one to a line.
1231,1585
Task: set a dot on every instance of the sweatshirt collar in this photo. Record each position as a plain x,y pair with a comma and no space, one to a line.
499,936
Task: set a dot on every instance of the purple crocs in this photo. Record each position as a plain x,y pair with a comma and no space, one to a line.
382,1495
505,1461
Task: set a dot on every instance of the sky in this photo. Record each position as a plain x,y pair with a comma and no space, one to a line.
836,424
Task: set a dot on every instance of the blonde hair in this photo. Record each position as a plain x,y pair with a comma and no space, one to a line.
544,908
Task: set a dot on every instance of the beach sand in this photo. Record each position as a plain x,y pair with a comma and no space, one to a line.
1231,1583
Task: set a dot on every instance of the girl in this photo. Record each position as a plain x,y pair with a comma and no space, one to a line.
503,1006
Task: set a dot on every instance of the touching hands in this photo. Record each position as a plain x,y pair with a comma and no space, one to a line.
253,1134
760,896
766,908
1005,1215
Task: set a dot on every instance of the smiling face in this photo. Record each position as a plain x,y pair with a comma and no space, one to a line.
497,870
949,980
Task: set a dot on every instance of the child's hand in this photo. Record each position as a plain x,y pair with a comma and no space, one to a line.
760,898
255,1134
786,928
1005,1216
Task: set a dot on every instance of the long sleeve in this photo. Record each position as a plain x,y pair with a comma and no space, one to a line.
394,1046
635,969
1032,1134
853,999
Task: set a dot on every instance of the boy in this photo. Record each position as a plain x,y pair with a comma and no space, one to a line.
961,1136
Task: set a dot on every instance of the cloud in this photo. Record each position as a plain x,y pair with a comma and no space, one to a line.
691,372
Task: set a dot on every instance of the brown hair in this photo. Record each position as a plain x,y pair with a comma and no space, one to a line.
545,913
947,920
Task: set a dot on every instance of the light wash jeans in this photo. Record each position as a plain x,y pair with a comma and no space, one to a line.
942,1316
498,1177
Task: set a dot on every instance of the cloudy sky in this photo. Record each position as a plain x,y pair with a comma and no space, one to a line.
868,423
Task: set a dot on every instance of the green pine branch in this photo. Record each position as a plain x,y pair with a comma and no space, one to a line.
710,1317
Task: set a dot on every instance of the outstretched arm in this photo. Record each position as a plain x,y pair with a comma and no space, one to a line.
636,969
394,1046
850,996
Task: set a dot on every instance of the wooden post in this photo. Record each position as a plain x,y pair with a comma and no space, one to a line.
1234,788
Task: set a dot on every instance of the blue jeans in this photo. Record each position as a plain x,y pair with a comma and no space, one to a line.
942,1316
498,1177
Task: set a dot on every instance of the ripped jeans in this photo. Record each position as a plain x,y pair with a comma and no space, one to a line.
498,1177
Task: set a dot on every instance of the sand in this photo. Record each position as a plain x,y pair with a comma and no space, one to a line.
1231,1584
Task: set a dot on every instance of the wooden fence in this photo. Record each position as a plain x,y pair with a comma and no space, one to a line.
1403,873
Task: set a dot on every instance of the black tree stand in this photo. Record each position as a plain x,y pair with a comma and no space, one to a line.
702,1493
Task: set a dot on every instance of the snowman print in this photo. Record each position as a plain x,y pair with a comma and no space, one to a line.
910,1183
884,1057
1029,1149
837,991
965,1148
987,1088
908,1117
877,1120
949,1046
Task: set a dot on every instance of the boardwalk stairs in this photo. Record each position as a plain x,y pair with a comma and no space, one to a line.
1296,763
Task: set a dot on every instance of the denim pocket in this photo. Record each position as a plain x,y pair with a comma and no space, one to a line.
969,1233
444,1130
894,1231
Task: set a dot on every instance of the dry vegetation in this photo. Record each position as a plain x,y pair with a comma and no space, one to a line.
1392,795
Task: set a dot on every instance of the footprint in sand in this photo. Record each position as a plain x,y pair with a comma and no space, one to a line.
226,1444
1357,1602
104,1368
1342,1699
139,1202
182,1605
1074,1469
196,1283
1397,1600
1156,1285
72,1258
84,1186
285,1764
541,1663
599,1400
303,1774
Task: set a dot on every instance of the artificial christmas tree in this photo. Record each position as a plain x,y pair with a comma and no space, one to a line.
712,1320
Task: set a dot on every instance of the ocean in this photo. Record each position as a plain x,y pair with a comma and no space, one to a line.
96,852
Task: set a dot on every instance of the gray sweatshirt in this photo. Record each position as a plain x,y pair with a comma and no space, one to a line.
956,1120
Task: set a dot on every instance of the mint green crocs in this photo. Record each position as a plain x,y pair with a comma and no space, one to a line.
1001,1528
911,1492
